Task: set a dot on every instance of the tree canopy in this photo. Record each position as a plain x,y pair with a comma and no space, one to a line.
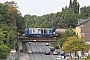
68,33
10,22
74,44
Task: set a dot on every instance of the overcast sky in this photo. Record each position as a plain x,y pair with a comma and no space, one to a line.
41,7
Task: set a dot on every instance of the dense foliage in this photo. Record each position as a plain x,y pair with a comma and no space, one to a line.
69,16
4,50
64,19
68,33
11,21
74,44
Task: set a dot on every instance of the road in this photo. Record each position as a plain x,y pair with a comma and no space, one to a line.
38,50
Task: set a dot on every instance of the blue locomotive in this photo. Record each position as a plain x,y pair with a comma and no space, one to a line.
40,32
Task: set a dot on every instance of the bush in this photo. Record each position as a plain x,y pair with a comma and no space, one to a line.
4,51
16,58
55,45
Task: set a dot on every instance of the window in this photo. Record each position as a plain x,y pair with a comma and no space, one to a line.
45,31
41,31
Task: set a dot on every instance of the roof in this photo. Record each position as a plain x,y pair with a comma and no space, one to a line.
83,21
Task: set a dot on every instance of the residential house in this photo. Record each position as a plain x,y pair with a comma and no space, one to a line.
83,29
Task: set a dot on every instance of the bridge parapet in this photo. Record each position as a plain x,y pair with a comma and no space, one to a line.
25,39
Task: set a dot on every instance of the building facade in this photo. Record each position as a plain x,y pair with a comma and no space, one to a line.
83,29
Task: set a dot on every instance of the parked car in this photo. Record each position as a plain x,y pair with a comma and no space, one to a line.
59,58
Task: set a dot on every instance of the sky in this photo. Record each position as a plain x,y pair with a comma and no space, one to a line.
42,7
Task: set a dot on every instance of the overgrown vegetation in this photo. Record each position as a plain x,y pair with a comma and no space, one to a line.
12,21
9,25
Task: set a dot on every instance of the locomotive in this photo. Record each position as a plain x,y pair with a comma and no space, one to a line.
40,32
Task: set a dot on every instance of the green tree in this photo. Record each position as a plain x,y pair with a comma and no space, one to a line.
74,44
5,17
68,33
14,42
68,19
4,50
76,7
7,31
2,37
12,6
29,21
17,19
70,4
85,12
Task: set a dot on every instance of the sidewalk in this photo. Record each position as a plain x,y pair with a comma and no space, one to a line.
23,56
